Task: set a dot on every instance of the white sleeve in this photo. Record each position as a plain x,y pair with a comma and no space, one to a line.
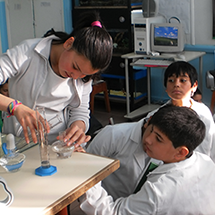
81,112
96,201
208,144
104,142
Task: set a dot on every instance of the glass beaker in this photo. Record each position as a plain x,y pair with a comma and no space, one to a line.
61,148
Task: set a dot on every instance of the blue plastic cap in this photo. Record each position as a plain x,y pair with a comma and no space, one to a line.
41,171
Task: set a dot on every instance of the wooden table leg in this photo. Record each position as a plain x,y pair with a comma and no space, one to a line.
63,212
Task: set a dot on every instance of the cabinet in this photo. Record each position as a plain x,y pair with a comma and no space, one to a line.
116,16
32,18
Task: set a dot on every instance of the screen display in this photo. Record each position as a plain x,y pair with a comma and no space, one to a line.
166,36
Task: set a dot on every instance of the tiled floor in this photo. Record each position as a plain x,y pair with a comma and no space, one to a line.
118,110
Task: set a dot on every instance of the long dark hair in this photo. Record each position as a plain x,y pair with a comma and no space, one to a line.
93,42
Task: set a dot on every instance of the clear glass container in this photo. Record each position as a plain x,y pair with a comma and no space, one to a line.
61,148
12,161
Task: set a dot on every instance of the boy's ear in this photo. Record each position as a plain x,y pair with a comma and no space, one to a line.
194,87
182,152
68,44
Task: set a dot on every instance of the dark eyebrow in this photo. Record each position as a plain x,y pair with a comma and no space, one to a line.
157,133
184,74
181,74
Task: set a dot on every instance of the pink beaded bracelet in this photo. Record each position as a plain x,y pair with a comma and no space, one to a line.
12,106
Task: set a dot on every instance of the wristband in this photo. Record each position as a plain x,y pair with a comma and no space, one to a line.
12,106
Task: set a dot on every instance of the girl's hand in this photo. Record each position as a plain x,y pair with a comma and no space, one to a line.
27,118
75,133
79,149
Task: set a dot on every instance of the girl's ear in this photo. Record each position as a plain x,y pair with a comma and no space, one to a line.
68,44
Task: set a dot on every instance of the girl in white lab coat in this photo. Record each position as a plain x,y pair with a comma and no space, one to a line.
55,72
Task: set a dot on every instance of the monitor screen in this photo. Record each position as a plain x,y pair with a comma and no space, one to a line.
167,37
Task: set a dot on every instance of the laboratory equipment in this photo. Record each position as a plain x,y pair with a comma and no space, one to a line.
45,169
12,160
9,195
21,144
61,148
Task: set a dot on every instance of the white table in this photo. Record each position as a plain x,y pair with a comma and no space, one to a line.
188,55
50,194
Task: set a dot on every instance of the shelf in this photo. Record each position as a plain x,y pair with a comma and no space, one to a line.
116,17
142,111
122,98
99,7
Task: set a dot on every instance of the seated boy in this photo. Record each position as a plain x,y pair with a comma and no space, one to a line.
123,142
183,184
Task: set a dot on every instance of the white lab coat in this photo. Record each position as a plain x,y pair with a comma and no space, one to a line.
27,66
186,187
208,144
124,142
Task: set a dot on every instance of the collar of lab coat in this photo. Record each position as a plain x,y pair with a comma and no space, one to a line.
43,49
172,167
136,137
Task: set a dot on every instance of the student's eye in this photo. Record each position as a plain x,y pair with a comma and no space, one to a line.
170,80
183,80
158,139
74,67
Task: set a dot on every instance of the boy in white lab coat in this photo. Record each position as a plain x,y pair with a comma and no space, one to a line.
184,184
123,141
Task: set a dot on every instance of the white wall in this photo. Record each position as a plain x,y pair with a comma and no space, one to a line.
32,18
204,22
195,15
19,21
